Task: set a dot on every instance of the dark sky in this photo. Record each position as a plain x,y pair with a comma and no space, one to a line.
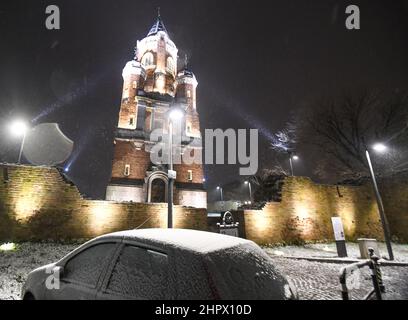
257,62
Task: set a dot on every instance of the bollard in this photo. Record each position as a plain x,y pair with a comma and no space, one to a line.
377,268
376,274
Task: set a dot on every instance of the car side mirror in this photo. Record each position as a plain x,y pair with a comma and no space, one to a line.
58,270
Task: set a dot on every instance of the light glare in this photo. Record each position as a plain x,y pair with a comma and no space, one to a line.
379,147
10,246
18,128
176,114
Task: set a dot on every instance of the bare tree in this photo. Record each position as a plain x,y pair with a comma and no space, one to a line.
339,131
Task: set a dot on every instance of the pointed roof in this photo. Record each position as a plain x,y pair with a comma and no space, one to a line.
157,26
186,71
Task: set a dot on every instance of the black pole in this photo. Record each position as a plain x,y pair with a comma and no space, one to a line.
170,204
171,181
291,165
21,149
383,217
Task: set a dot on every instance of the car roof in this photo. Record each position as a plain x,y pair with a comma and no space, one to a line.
191,240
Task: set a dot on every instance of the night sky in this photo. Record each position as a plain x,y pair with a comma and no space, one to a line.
257,62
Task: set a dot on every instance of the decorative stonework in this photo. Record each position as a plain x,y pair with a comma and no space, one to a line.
151,87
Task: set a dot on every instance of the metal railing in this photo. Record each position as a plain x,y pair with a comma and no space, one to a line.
376,277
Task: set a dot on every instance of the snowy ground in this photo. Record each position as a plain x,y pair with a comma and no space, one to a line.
314,280
15,265
328,250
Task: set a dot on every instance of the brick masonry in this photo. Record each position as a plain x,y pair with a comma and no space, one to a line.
305,212
125,152
38,203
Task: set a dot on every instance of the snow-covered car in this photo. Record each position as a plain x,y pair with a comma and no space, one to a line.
157,264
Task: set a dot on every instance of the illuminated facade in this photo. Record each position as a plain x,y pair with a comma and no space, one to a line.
153,85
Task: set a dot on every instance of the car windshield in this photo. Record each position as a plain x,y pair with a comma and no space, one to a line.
246,272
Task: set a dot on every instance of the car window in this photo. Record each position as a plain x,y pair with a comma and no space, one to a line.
86,267
249,274
140,273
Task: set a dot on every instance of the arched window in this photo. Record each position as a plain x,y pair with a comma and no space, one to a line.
170,64
148,59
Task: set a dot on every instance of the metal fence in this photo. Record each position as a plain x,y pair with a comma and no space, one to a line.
376,277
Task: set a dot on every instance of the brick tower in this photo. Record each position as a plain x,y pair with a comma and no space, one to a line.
153,86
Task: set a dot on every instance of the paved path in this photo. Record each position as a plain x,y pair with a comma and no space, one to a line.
320,281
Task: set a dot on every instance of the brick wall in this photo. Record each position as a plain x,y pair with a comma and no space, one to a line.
305,212
37,203
125,153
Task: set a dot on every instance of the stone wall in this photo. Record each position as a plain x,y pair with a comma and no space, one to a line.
305,212
38,203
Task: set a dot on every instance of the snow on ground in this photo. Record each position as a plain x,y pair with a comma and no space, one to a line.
314,280
15,265
328,250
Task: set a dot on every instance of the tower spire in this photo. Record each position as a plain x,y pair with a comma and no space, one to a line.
158,25
186,61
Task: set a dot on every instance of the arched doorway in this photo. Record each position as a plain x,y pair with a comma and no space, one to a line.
157,184
158,191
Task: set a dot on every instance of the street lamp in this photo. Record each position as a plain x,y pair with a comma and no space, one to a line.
221,196
380,148
291,159
175,114
250,189
19,128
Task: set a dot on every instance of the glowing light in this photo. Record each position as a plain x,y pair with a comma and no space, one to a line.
295,158
18,128
379,147
103,217
10,246
29,200
218,188
176,114
261,223
204,180
246,182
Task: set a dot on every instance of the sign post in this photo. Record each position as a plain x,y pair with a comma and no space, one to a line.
339,237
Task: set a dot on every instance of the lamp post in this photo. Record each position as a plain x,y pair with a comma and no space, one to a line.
250,190
174,115
291,159
19,128
386,229
221,196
